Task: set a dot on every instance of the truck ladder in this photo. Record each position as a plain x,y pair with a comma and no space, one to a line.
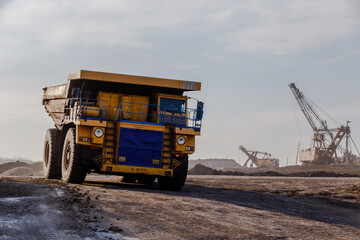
167,149
110,142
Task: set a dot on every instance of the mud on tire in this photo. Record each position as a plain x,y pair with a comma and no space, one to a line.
177,181
52,154
72,168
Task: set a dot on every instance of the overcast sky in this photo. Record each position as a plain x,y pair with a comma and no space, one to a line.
244,52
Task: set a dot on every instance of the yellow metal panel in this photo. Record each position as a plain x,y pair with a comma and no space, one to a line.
137,170
97,140
82,134
187,131
190,143
139,109
113,101
163,95
92,111
125,106
90,122
91,75
180,148
85,136
138,80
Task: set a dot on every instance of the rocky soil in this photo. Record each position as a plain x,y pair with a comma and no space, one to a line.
208,207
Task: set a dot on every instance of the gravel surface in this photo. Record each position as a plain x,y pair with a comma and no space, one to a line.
214,207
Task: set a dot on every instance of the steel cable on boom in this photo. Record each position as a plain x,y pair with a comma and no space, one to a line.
333,119
352,140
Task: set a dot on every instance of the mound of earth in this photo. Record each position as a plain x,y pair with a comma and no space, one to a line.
202,170
215,163
10,165
7,160
20,171
36,166
321,174
267,174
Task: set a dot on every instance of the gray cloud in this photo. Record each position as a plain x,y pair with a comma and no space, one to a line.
245,52
294,26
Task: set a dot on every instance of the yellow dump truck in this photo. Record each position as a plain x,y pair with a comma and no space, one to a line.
141,128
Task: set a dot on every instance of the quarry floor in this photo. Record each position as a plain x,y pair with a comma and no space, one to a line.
208,207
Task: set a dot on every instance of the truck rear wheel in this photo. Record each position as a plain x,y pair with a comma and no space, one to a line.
177,181
51,158
72,168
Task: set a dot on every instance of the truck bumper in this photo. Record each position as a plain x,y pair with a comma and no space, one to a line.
136,170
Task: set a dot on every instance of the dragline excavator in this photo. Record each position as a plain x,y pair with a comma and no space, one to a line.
327,147
254,157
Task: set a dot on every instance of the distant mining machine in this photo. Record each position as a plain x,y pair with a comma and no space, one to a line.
259,159
329,145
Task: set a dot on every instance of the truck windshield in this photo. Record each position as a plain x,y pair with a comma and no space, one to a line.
172,105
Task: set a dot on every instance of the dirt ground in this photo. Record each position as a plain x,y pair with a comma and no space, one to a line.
37,211
212,207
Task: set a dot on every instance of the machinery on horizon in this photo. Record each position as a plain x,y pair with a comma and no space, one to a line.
327,144
259,159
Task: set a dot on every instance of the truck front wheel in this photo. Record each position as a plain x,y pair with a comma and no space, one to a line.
72,168
177,181
51,158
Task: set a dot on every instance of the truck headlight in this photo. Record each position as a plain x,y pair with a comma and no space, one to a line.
181,140
98,132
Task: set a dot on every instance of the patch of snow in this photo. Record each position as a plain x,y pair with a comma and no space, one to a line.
10,224
59,192
15,199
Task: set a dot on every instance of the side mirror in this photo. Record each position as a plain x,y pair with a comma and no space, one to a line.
199,111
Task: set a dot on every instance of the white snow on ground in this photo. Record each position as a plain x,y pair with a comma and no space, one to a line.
15,199
59,192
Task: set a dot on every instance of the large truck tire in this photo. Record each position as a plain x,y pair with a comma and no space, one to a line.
145,179
52,154
177,181
72,168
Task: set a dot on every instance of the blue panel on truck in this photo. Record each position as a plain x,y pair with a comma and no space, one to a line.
139,147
